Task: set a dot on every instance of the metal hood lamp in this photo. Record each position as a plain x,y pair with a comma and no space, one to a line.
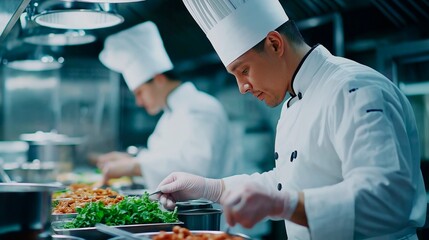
59,37
38,35
66,14
40,58
111,1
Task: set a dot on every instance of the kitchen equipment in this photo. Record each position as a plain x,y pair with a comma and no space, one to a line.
201,219
93,234
53,147
62,216
13,153
34,172
150,235
199,214
74,14
194,204
156,192
65,237
118,232
25,210
9,12
4,176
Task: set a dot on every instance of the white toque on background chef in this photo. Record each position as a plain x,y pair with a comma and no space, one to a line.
192,133
138,53
347,151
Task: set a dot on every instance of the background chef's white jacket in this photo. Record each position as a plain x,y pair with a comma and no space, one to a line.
348,140
192,135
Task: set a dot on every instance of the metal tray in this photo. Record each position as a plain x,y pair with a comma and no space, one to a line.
62,217
153,234
91,233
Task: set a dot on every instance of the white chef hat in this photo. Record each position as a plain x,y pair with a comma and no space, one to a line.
235,26
137,52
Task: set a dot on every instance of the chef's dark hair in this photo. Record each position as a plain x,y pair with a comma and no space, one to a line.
288,29
172,75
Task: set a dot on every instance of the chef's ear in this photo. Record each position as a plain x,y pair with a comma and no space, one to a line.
275,41
160,79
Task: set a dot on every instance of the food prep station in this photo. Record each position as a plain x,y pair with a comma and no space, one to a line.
48,211
53,119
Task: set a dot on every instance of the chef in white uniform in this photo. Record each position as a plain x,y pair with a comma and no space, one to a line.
192,134
347,150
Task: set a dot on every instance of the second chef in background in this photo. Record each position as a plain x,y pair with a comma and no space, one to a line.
192,134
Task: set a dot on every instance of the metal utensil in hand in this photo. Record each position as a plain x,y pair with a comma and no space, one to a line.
228,231
156,192
118,232
4,176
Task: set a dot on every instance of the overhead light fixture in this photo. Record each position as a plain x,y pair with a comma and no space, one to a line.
33,33
111,1
74,14
35,65
41,59
60,38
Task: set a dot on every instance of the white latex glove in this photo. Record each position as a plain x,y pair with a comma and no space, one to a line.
180,186
252,202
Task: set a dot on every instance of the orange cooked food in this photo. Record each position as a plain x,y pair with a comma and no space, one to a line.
181,233
81,194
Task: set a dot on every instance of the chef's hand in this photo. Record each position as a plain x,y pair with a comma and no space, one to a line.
120,168
252,202
180,186
103,159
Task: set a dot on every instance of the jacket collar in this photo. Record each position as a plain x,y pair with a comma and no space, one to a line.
306,70
179,95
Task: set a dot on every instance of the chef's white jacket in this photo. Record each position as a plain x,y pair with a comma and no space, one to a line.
347,139
192,135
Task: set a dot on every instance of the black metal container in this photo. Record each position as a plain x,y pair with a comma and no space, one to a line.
25,210
199,215
194,204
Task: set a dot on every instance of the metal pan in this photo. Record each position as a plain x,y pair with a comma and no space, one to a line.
153,234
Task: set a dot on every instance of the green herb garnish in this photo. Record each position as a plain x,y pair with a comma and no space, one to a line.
131,210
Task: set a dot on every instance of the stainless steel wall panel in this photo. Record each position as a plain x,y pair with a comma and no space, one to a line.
30,101
79,100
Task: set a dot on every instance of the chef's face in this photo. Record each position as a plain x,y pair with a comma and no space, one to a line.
259,72
150,97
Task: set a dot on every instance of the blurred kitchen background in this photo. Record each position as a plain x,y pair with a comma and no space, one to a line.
53,83
58,103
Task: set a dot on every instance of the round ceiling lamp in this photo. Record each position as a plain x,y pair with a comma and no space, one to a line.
35,65
110,1
63,37
40,58
74,15
33,33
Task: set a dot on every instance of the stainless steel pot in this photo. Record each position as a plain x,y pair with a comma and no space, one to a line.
25,210
13,152
52,147
34,172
